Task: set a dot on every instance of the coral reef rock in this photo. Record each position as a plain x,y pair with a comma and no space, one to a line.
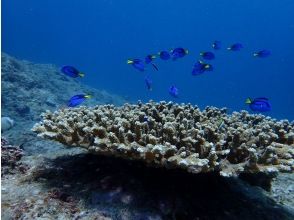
10,159
177,136
6,123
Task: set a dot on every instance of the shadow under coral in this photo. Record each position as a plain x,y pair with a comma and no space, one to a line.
114,185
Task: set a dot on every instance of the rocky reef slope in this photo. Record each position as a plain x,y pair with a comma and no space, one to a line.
28,89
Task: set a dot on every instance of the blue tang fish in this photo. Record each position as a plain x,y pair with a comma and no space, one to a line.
262,53
154,66
174,92
149,58
235,47
216,45
259,104
137,63
178,53
207,55
200,67
164,55
72,71
148,83
77,99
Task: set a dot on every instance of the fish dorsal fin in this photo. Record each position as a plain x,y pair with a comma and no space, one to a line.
262,99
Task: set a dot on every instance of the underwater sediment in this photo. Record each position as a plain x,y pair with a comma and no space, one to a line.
177,136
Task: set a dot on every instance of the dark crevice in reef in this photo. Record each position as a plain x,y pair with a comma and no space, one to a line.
259,179
112,185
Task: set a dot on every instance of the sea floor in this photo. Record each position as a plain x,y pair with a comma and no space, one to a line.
68,183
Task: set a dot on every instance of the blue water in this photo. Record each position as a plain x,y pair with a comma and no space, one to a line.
99,36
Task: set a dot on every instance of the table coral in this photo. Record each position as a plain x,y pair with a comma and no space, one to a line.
177,136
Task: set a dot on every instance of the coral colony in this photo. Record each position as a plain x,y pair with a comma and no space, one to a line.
177,136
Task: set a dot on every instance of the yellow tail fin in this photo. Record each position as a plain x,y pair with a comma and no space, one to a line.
81,74
88,96
248,101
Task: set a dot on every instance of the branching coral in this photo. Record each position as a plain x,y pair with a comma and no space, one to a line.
177,136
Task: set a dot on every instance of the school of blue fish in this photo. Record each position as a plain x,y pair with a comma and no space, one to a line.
201,66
